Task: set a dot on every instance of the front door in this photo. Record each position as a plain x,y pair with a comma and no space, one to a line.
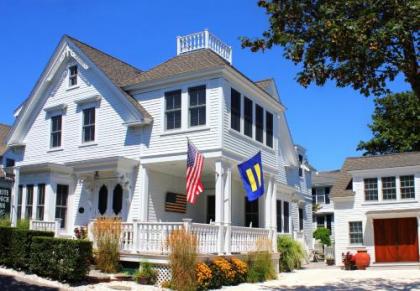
396,240
110,200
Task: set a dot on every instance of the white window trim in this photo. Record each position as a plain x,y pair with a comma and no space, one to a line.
57,148
197,106
94,141
349,234
77,85
172,110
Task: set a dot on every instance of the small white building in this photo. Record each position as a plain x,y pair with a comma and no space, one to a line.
377,207
99,137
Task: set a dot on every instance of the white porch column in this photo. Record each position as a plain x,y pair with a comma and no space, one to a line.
274,216
50,201
228,208
219,193
267,204
15,194
35,201
144,193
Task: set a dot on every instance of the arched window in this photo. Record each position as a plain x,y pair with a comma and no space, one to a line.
103,199
117,199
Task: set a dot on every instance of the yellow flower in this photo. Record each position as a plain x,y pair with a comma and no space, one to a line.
241,266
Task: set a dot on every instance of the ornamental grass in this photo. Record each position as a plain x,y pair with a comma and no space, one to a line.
107,234
182,259
260,262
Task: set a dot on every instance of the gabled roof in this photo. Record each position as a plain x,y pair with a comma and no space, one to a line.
4,131
327,178
264,84
341,187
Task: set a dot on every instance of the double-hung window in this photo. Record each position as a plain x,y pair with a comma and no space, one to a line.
286,216
89,124
259,123
73,76
371,189
389,189
41,202
269,129
197,108
235,110
173,109
248,117
29,201
356,232
407,187
61,203
279,216
300,219
56,127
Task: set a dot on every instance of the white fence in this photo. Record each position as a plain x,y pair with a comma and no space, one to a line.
53,226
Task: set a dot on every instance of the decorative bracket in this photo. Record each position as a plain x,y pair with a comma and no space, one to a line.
66,53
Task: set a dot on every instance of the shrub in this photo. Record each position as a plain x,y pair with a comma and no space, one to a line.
226,271
20,250
23,224
5,239
203,275
107,233
60,259
323,234
260,263
241,269
182,259
291,253
5,220
146,275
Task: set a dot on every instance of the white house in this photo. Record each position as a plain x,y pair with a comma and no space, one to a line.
100,137
377,207
322,183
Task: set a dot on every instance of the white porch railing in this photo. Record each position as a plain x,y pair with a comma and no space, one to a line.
244,239
201,40
207,235
53,226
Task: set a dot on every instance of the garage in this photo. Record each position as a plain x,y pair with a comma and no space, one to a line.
396,240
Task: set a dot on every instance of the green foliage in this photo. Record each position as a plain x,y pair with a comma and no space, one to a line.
5,239
20,250
60,259
395,125
363,44
323,234
291,253
146,275
5,221
23,224
260,267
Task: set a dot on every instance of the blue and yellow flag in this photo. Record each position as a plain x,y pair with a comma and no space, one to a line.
252,177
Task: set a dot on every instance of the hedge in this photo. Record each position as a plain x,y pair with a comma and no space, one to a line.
60,259
5,238
20,247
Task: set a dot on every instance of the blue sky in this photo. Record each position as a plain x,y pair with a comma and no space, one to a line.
328,121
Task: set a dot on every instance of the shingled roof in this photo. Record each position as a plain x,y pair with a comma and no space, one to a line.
119,72
341,187
326,178
4,130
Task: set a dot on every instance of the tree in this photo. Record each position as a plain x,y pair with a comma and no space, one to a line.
358,43
395,125
322,234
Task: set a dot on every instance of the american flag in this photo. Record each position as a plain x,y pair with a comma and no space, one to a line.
195,161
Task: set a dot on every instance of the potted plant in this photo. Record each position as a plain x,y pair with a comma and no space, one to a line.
330,260
146,275
362,259
348,261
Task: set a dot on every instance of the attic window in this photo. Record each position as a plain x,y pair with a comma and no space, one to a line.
73,76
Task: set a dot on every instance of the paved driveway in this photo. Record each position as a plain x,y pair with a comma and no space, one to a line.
336,279
10,283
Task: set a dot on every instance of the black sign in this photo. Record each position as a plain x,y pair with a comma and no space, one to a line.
4,202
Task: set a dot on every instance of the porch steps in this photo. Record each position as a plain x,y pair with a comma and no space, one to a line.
395,266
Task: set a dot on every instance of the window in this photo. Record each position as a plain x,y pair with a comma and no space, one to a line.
41,202
407,187
286,216
321,195
19,206
72,76
61,204
371,189
389,190
314,195
269,129
55,131
117,200
29,201
279,217
300,219
103,200
10,162
173,109
251,213
235,110
330,220
197,105
259,123
300,165
248,117
320,221
89,124
356,232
